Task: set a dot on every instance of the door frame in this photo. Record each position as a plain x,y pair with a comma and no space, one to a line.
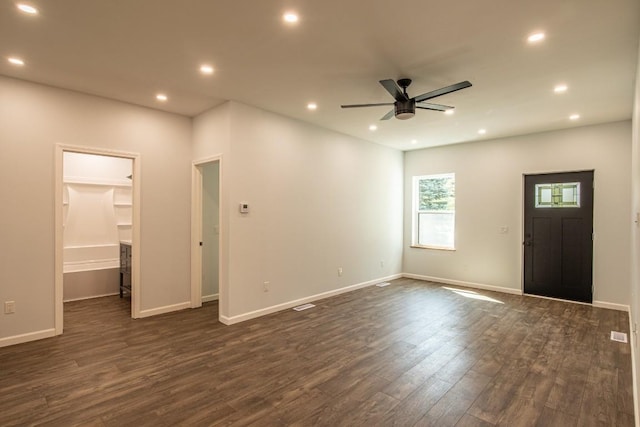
522,234
196,233
60,149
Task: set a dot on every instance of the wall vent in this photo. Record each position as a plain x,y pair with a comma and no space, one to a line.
303,307
619,336
383,284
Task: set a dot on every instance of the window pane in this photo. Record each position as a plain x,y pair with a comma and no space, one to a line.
557,195
437,193
436,229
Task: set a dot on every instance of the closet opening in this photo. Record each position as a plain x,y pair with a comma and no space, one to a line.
97,213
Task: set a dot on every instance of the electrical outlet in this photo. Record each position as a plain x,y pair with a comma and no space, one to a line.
9,307
265,286
339,271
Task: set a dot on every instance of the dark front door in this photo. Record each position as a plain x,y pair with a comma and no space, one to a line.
558,235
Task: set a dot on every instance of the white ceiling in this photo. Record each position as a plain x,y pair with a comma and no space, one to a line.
130,50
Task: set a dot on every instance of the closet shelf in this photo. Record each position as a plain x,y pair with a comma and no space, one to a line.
98,182
124,224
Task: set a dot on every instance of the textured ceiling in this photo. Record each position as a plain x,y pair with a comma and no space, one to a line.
336,54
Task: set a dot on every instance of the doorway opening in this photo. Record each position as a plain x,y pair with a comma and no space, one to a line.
558,235
206,232
96,217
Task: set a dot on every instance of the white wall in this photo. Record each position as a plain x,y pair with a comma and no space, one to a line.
97,168
489,195
210,228
635,232
319,200
33,119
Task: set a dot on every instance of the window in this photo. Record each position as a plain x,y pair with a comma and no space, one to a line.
561,195
434,211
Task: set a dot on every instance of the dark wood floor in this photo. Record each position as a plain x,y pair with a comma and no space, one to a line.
410,354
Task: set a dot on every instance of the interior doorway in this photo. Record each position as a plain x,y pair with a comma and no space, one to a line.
558,235
97,207
206,231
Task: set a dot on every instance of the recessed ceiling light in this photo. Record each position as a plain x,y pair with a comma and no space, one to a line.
535,37
449,112
15,61
574,117
312,106
206,69
27,9
414,141
161,97
560,88
373,127
290,17
482,131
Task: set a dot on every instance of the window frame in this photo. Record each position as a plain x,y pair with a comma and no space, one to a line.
415,221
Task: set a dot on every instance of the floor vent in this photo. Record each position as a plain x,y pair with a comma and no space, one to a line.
383,284
303,307
619,336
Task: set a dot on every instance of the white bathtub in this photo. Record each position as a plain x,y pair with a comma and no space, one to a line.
88,258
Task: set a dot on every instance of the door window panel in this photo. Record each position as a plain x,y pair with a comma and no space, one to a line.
557,195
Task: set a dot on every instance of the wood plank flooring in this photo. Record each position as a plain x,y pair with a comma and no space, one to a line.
410,354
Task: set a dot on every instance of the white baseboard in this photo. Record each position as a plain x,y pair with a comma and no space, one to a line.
165,309
212,297
462,283
600,304
91,297
290,304
31,336
610,305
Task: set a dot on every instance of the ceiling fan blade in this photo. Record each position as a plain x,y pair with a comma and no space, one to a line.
394,90
437,107
442,91
388,115
366,105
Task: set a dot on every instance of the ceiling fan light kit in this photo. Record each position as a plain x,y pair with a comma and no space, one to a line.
404,107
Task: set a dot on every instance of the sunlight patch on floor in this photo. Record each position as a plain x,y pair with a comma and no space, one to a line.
473,295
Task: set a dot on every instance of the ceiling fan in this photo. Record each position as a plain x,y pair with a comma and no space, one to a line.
404,107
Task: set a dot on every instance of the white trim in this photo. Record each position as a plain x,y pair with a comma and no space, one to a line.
196,236
209,298
165,309
290,304
92,297
462,283
31,336
611,306
632,344
136,184
196,231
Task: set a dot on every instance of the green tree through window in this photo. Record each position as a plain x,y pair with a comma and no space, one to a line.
434,211
437,194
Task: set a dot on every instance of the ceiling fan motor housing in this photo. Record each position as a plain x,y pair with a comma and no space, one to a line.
405,109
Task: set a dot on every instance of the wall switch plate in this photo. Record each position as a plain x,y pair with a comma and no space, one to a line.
265,286
9,307
339,271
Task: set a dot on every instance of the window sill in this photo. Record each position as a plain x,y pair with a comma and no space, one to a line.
437,248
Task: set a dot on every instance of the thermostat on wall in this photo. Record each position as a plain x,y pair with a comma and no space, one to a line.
244,207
